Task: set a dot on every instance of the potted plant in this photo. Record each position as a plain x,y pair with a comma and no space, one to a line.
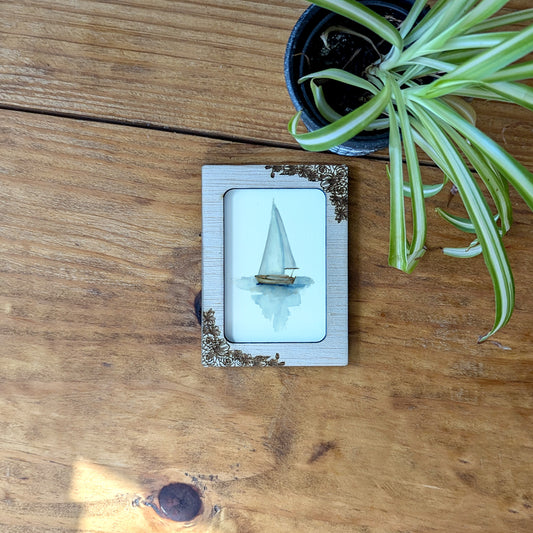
425,65
322,39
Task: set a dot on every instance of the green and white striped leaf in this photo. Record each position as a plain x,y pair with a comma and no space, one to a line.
342,129
489,61
427,190
477,40
513,92
515,72
464,253
498,187
457,9
416,249
363,15
463,224
412,16
472,16
338,74
440,17
322,106
517,175
456,18
523,15
479,213
516,93
397,232
462,107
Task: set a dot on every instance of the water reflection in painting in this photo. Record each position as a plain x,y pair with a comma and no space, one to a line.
275,301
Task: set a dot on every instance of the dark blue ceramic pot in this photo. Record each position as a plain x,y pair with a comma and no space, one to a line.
307,31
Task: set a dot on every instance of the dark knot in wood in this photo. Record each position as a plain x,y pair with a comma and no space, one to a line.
198,307
180,502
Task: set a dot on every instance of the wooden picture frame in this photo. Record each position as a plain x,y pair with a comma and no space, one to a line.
274,317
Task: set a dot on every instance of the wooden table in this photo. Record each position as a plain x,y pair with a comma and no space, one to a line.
108,110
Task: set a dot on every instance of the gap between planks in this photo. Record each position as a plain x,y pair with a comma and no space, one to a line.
170,129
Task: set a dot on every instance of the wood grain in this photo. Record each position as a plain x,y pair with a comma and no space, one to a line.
213,68
103,398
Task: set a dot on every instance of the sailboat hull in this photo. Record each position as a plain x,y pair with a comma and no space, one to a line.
274,279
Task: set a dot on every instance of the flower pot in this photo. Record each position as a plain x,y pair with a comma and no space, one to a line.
304,54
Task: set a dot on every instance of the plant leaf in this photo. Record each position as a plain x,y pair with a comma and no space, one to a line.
476,40
456,18
421,138
523,15
517,93
498,188
338,74
470,251
397,233
342,129
492,178
431,64
412,16
458,56
440,16
515,72
461,223
479,213
487,62
517,175
472,16
378,124
462,107
363,15
322,106
428,190
416,249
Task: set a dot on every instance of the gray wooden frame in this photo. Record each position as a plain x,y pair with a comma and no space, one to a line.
216,349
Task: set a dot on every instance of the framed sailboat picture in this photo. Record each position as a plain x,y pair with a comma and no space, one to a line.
274,265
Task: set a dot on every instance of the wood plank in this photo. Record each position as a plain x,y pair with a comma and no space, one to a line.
207,67
199,66
103,398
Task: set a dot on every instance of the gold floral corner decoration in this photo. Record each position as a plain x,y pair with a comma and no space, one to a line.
332,178
216,350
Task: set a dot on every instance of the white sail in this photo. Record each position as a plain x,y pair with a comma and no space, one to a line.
288,259
277,256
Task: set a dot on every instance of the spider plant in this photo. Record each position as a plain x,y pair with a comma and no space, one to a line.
456,50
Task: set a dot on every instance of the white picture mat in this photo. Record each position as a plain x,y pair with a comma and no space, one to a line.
333,349
273,313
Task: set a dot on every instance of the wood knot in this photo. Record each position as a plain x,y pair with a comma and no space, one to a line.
198,307
179,502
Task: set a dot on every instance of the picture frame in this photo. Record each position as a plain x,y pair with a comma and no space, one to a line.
274,265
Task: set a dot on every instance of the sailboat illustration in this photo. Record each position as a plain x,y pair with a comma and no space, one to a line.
277,257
